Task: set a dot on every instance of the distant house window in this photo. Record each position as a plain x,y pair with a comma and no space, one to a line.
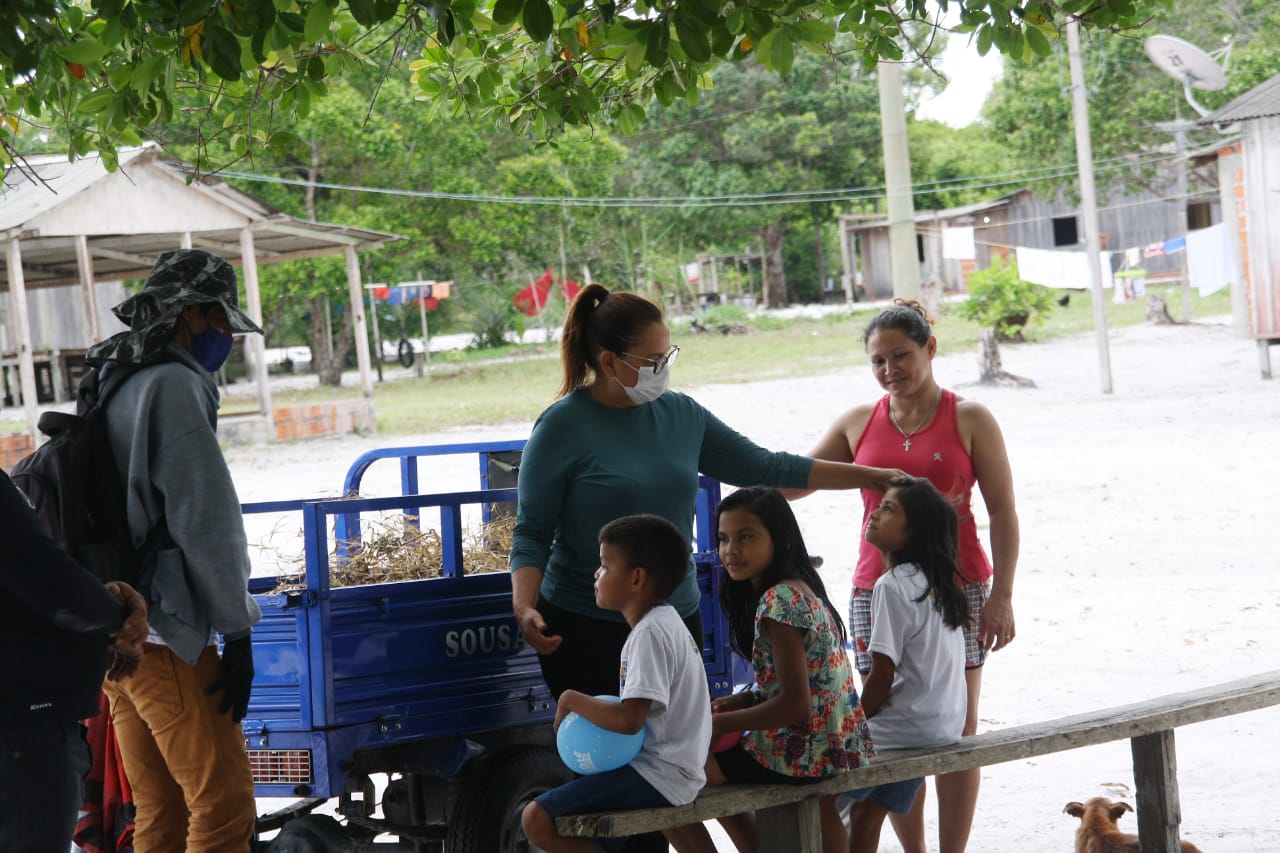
1199,215
1064,231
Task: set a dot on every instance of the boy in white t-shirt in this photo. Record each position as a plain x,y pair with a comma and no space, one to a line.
662,684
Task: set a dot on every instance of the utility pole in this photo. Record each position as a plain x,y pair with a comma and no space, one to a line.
1179,128
904,260
1088,199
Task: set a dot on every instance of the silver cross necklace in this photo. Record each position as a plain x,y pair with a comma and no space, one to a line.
906,436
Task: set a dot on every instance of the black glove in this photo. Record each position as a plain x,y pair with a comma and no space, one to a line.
236,678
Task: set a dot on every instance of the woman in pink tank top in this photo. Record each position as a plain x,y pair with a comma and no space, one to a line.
928,431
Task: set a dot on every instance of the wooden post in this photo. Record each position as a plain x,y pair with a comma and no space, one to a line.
794,827
377,336
904,264
846,262
356,300
1155,777
255,344
422,318
1088,199
22,319
84,263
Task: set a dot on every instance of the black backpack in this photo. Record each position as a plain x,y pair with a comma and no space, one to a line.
72,482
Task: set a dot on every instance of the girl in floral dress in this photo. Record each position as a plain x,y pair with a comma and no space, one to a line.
802,721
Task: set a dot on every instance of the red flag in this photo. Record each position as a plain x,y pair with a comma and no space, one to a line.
533,298
570,288
430,303
381,292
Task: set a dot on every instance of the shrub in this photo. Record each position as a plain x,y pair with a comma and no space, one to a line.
492,316
1001,300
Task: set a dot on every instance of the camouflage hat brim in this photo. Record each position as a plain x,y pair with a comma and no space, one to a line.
239,321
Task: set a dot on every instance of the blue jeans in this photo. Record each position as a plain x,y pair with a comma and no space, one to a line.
42,786
615,790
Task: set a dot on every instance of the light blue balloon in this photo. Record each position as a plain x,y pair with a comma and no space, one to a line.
585,748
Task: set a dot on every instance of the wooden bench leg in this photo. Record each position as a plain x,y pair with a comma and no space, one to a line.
1155,776
793,827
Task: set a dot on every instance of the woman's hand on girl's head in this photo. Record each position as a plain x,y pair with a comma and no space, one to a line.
846,475
882,477
534,629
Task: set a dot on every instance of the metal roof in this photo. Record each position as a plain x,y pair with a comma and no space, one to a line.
866,222
129,217
1261,101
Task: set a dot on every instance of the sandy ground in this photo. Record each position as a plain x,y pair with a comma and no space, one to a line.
1148,561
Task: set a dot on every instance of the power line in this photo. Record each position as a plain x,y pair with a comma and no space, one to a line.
843,194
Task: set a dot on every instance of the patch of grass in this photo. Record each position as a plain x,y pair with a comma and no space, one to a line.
1077,317
497,392
517,383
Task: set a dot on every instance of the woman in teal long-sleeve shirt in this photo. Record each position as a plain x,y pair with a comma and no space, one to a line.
618,443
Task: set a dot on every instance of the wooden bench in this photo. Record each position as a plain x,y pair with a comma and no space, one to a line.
787,816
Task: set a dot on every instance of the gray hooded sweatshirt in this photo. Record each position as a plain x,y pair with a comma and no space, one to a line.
162,424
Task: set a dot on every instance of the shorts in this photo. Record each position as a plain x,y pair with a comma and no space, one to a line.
976,594
615,790
741,767
896,797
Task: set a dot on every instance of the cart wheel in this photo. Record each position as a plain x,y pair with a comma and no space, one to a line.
313,833
404,352
486,815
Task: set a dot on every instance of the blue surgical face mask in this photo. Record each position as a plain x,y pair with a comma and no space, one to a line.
210,348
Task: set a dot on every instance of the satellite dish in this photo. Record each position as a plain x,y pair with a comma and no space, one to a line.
1186,63
1190,66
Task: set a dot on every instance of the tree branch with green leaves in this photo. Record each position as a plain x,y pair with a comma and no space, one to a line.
100,73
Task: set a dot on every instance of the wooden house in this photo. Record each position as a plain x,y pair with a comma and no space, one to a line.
1249,184
1127,219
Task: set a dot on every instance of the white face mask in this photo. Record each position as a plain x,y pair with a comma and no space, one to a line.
649,385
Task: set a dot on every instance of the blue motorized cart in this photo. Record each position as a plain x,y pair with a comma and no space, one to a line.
416,704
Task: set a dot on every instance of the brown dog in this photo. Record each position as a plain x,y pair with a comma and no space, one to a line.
1098,832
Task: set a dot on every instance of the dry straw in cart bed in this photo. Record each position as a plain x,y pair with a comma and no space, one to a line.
395,550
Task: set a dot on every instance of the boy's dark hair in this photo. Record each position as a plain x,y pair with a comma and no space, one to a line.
654,544
791,561
933,547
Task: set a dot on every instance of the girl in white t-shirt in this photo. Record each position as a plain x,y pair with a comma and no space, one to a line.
915,694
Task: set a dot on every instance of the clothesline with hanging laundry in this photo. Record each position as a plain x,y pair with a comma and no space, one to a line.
409,292
1209,264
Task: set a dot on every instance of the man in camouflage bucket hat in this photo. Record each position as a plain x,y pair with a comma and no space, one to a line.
180,278
178,720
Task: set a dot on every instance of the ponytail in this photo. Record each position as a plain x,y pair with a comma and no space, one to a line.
598,321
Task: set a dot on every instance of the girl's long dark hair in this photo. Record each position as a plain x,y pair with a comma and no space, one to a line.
791,561
933,547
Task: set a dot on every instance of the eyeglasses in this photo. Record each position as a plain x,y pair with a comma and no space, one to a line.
659,364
